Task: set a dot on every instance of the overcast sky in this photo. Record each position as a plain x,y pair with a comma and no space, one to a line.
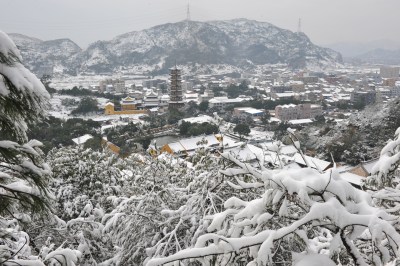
85,21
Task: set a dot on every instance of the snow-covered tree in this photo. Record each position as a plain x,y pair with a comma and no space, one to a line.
82,181
300,214
23,174
384,181
164,210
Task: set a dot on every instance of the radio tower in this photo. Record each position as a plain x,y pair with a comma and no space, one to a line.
188,11
299,26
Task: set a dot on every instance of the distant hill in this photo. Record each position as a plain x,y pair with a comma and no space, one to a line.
354,49
238,43
376,52
381,56
47,56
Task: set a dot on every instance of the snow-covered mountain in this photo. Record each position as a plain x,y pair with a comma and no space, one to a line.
240,43
46,57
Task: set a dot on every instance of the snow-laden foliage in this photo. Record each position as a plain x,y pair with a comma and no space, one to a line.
382,174
23,174
299,210
83,177
23,97
164,212
383,183
358,139
82,181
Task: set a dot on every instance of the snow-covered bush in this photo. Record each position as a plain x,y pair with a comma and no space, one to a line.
82,181
165,209
82,176
299,210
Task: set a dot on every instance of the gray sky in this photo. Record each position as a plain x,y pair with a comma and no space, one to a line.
85,21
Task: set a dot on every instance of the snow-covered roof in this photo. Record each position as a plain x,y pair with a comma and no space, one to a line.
351,178
247,153
228,142
369,165
81,140
284,94
291,105
194,143
191,144
165,97
199,119
300,121
312,161
176,147
226,100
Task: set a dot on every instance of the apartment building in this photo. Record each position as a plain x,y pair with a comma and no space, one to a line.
389,72
302,111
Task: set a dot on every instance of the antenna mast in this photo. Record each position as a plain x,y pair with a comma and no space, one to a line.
188,11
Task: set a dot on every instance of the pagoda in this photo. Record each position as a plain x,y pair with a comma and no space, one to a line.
175,92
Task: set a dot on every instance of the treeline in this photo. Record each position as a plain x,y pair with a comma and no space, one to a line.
55,132
127,137
75,91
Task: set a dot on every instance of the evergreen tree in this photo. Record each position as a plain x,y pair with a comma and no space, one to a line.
242,130
23,174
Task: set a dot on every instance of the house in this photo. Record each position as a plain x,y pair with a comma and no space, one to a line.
364,169
110,146
188,146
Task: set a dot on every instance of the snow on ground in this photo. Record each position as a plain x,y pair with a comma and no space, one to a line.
259,135
57,109
312,260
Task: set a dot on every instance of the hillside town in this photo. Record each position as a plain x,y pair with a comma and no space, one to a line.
260,102
132,136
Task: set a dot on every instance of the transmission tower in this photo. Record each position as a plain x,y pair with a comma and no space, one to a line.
299,26
188,11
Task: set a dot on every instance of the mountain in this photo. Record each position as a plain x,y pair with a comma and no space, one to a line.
354,49
381,56
236,44
44,57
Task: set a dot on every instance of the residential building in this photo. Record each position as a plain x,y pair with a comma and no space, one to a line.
222,102
207,96
302,111
112,85
287,112
363,97
389,72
